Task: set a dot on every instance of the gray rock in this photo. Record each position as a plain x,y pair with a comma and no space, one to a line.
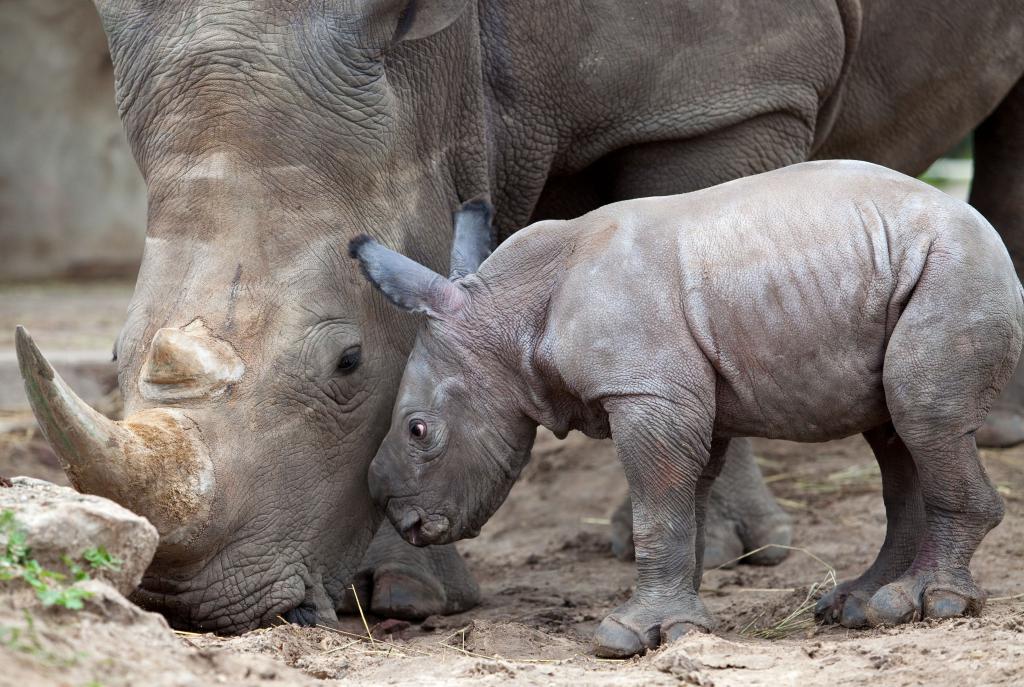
60,521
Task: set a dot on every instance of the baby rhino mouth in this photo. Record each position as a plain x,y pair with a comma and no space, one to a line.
421,529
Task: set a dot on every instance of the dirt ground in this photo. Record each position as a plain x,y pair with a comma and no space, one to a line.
548,577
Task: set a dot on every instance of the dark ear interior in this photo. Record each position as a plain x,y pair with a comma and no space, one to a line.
422,18
406,283
474,237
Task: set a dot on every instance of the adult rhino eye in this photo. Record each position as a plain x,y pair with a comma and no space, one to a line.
418,428
349,360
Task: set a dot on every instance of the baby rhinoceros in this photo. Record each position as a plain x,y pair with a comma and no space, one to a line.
808,303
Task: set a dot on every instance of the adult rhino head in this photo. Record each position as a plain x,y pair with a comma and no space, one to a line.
258,369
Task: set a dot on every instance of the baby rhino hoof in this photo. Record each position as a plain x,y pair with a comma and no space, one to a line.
908,599
844,605
407,594
630,630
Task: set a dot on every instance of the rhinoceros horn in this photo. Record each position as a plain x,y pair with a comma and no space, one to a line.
154,462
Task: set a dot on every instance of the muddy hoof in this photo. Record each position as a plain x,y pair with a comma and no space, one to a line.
845,605
397,580
1002,429
892,605
635,627
616,639
770,538
726,542
722,545
925,595
944,603
406,594
830,607
855,611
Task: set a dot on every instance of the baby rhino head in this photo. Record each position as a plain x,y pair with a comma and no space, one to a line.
457,440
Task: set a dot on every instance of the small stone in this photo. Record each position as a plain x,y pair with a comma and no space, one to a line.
59,522
675,661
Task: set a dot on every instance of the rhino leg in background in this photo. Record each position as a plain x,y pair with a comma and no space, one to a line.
399,580
742,516
998,193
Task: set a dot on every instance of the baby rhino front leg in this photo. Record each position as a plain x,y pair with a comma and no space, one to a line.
670,462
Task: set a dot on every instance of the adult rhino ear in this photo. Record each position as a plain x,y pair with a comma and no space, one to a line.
406,283
474,237
422,18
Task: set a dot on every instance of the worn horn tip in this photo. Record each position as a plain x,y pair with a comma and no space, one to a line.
30,359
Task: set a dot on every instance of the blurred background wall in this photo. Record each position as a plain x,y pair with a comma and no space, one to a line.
72,202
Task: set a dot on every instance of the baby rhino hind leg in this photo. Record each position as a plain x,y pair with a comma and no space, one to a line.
904,511
960,508
953,349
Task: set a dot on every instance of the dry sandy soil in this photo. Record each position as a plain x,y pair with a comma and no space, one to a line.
548,577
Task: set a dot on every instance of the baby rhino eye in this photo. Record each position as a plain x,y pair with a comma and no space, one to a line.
418,428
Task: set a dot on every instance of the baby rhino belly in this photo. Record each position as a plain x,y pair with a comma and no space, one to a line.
808,371
817,396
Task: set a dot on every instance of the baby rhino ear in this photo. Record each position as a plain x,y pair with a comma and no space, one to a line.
406,283
474,237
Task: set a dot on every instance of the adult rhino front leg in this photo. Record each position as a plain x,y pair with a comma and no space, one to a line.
742,515
399,580
998,193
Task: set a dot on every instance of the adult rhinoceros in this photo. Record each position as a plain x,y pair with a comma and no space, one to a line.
257,368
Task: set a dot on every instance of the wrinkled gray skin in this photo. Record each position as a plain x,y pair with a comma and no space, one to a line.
269,133
808,304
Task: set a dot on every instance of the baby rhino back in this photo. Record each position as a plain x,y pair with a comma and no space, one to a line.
790,284
798,315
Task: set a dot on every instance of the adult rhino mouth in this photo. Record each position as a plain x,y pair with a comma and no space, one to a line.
216,607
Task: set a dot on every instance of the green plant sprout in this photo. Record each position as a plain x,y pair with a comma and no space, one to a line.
16,563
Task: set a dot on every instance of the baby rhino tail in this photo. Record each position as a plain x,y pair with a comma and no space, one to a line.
957,342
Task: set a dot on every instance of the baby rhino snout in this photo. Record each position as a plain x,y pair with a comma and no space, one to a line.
421,532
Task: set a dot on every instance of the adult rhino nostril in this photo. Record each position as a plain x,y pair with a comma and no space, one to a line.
304,615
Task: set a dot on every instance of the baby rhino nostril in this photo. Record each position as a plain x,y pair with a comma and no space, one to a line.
409,520
415,531
410,528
